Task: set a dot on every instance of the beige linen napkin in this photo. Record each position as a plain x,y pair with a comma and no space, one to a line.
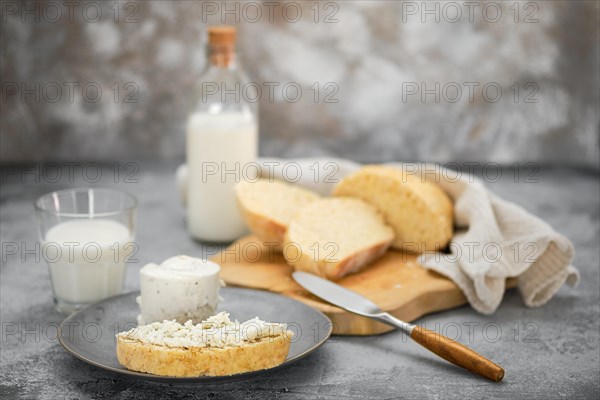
493,240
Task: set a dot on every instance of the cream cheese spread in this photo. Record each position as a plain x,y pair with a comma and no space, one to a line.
217,331
182,288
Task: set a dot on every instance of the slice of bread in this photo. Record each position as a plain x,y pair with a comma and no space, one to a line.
172,349
420,212
268,206
190,362
333,237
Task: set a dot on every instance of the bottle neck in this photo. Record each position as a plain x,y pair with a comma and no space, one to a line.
221,56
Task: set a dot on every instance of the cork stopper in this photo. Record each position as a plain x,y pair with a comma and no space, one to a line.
222,35
221,45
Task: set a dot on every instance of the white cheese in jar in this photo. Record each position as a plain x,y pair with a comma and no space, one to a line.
182,288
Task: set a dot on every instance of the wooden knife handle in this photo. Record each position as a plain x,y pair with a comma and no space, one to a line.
457,354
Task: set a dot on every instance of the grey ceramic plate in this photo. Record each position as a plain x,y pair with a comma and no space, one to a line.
89,334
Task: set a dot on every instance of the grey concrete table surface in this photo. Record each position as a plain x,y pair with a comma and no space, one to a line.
548,352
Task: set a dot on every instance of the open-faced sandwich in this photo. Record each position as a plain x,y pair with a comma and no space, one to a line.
215,347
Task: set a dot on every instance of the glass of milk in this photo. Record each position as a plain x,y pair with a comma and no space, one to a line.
87,238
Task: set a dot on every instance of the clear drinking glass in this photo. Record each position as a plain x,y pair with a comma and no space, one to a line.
87,238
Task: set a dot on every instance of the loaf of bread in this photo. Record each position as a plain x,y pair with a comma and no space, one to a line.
420,212
268,206
333,237
217,347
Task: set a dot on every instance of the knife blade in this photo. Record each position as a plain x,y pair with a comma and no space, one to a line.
336,294
347,299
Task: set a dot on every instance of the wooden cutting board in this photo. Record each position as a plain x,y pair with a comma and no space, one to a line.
395,282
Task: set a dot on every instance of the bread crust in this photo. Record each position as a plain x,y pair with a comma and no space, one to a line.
420,212
265,228
332,265
202,361
261,221
337,269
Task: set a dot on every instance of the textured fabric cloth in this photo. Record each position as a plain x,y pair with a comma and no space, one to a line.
493,239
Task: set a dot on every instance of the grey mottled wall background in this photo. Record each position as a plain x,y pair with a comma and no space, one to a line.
437,81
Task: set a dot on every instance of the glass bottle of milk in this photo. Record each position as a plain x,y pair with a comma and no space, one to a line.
222,140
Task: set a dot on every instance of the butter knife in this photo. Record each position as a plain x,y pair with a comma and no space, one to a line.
444,347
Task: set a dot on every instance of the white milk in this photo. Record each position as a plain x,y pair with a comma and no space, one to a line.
87,259
219,146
